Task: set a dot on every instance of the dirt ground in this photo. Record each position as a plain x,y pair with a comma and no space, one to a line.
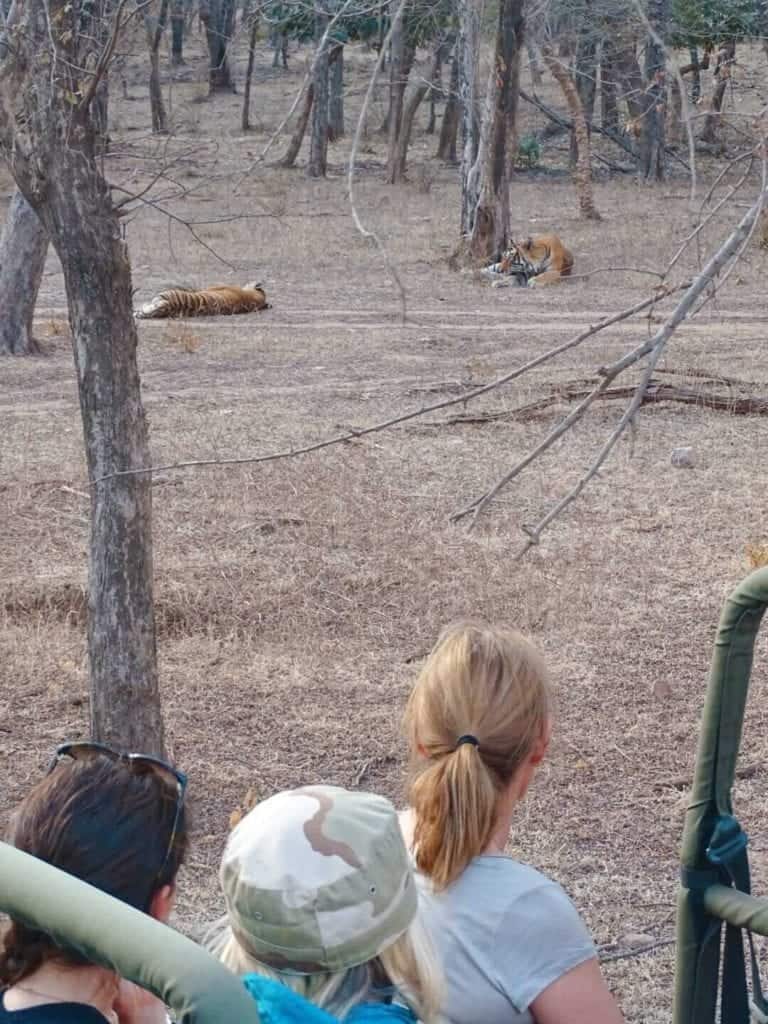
296,598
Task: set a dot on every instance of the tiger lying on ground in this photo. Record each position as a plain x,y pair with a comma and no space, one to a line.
512,264
221,300
536,261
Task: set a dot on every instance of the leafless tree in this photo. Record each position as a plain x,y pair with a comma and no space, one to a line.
58,52
251,21
218,17
23,248
652,140
154,23
178,22
318,146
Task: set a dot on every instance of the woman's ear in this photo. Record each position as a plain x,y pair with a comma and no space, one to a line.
422,750
540,747
162,903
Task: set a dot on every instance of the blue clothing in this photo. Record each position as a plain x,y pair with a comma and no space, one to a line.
279,1004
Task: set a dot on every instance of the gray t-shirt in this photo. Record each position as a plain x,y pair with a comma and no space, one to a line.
504,933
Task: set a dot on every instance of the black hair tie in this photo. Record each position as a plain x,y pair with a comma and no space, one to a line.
469,738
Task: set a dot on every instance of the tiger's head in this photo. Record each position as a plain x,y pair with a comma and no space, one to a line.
513,261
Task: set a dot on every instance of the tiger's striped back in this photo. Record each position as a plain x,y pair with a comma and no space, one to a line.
220,300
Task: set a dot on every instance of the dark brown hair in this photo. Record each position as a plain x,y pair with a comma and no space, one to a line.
105,823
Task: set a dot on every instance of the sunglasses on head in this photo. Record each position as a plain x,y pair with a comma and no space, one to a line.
141,764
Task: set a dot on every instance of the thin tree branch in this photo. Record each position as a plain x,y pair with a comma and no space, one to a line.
364,231
654,347
352,435
109,50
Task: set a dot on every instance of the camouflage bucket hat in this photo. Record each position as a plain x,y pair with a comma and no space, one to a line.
317,880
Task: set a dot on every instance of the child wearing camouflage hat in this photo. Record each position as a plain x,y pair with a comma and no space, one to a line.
321,906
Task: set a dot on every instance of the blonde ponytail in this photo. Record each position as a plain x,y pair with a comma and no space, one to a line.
486,686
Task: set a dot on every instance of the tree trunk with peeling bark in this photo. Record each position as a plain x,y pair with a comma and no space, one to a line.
582,174
468,54
23,248
489,230
51,142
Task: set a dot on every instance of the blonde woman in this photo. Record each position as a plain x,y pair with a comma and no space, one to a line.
513,947
321,906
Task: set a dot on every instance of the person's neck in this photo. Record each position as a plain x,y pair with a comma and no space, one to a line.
500,836
505,811
58,983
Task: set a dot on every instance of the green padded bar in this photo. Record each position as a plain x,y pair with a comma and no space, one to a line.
698,931
737,908
107,932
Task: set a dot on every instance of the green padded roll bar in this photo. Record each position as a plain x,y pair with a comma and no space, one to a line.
110,933
714,865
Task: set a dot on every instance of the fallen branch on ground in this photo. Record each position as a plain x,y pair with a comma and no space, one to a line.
724,257
656,391
351,435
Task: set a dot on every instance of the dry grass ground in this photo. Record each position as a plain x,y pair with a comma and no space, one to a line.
295,599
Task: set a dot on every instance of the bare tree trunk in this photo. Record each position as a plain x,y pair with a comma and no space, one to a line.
763,229
177,32
468,52
23,248
726,56
534,63
301,128
218,17
57,171
511,101
336,105
652,142
443,48
629,73
318,143
397,166
251,18
401,59
449,129
586,72
155,27
125,703
674,126
490,226
696,69
609,109
582,174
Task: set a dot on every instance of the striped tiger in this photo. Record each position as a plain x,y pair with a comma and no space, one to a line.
220,300
550,258
512,263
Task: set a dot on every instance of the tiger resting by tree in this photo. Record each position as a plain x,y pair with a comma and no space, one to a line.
536,261
220,300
